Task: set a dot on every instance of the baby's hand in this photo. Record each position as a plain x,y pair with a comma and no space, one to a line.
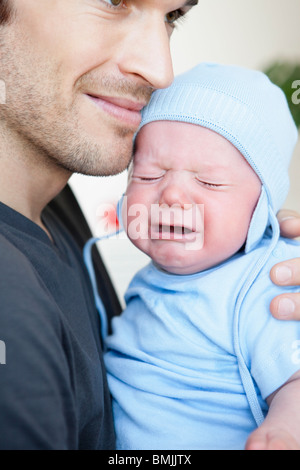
271,439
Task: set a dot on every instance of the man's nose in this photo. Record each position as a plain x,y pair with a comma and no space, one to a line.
146,53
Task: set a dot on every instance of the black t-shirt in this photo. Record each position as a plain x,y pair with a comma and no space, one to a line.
53,389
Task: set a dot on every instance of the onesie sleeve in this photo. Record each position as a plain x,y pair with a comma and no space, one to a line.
36,398
271,348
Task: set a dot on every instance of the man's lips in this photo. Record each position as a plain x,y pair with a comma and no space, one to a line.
126,110
125,103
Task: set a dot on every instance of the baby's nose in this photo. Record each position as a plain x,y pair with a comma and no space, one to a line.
175,194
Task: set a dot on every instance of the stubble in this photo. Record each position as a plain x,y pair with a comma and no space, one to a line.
50,127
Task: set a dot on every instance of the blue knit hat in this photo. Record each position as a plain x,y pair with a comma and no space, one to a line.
248,110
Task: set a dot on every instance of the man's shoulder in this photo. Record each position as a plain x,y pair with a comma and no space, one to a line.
23,297
13,262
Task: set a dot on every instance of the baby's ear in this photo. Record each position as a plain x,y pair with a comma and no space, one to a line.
130,170
119,212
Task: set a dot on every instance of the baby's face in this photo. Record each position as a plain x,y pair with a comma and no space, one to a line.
190,197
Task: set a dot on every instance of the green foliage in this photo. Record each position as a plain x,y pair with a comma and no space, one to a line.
287,77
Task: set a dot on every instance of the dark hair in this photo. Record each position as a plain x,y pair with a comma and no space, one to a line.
5,11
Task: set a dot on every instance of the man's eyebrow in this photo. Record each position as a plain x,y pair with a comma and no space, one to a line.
191,3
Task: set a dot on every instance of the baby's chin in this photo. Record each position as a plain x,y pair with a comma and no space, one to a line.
170,261
175,258
179,270
191,266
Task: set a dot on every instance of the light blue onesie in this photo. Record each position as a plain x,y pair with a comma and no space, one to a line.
172,363
193,358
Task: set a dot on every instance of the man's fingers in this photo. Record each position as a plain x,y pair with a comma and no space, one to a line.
271,440
289,223
286,273
286,307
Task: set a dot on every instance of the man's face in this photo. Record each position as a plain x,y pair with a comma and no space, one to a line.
77,74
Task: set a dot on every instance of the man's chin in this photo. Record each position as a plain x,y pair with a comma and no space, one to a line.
94,164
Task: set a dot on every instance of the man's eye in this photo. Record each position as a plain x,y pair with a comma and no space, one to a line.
174,16
113,3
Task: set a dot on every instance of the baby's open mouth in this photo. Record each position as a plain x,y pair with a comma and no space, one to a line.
176,229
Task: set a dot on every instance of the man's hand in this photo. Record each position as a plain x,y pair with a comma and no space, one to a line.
280,429
287,273
289,223
264,439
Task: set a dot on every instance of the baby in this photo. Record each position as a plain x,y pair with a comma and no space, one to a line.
196,361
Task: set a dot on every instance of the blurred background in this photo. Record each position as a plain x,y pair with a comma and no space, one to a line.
260,34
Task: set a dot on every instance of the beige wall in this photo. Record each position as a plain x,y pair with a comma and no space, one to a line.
251,33
293,199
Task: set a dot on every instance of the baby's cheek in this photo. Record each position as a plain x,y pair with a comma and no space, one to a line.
224,242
